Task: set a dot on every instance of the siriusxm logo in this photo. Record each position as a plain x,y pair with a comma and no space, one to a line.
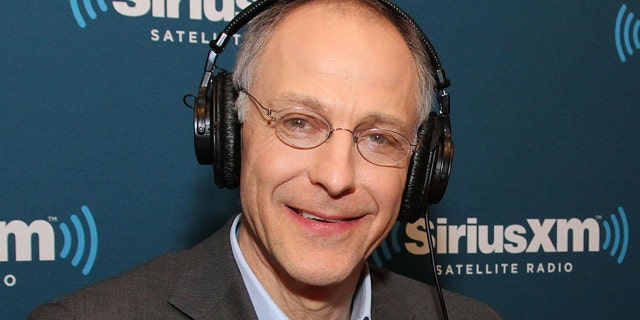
627,33
86,242
572,235
212,10
617,239
90,11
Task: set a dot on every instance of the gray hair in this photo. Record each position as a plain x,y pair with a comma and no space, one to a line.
260,28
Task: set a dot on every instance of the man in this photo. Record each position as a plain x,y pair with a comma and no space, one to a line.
331,94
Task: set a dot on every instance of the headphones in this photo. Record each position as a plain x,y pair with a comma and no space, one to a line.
217,129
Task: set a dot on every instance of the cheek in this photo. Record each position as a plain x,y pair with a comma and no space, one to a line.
387,187
255,158
386,190
265,162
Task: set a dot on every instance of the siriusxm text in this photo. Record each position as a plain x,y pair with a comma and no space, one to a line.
212,10
22,235
548,235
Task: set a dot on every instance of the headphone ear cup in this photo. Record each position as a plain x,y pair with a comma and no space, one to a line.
226,132
412,199
429,170
202,119
442,162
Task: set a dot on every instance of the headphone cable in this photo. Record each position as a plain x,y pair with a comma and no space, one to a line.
432,249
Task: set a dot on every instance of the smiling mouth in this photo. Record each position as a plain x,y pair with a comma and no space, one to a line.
307,215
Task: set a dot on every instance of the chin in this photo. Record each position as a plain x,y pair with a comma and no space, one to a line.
319,273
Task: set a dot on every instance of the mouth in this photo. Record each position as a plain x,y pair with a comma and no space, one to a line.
310,216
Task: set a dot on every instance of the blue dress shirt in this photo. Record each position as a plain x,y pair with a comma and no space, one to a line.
267,309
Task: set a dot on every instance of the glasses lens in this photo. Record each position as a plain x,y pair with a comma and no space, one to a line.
305,129
383,147
301,128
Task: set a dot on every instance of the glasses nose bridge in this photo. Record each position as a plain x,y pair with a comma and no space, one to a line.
354,136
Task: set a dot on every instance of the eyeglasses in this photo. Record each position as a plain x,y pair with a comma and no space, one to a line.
305,129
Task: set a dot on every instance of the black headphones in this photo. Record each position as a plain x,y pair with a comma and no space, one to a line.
217,129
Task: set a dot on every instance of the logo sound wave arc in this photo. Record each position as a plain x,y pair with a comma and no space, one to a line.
619,234
624,34
88,7
81,243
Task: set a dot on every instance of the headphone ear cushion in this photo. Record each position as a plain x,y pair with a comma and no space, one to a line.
414,198
226,136
430,168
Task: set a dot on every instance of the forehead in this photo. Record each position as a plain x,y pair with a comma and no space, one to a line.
348,64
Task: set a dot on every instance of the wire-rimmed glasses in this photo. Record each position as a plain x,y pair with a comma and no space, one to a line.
306,129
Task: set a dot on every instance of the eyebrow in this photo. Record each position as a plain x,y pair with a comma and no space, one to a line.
385,121
293,98
391,123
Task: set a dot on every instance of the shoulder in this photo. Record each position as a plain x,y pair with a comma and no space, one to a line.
162,288
144,287
393,292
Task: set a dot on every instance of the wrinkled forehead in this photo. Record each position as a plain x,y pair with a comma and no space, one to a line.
317,52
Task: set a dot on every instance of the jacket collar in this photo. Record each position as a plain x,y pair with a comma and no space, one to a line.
208,263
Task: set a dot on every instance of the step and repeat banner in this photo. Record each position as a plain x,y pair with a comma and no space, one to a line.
541,220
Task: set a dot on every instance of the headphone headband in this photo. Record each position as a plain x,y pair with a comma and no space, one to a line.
241,19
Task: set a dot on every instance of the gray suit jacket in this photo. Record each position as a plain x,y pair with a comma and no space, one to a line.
205,283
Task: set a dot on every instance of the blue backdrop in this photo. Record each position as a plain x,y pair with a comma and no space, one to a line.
98,172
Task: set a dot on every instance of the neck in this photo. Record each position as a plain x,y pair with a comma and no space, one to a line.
297,299
309,302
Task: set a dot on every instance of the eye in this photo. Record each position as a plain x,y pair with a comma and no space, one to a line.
381,139
383,147
380,142
378,138
301,125
297,123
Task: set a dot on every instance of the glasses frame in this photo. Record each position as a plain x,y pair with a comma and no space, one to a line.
272,116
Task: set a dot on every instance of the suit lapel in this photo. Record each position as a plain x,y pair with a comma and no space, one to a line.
209,285
386,303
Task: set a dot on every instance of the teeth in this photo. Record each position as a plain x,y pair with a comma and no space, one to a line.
310,216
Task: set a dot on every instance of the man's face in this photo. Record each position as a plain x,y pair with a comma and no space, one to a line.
356,72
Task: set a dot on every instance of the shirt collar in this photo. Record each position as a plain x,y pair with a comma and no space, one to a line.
266,308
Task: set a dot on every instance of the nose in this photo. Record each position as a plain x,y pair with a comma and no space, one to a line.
333,168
